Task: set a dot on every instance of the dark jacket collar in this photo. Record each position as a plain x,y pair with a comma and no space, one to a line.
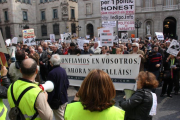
25,80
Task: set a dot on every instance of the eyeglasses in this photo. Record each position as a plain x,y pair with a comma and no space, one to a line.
133,46
84,46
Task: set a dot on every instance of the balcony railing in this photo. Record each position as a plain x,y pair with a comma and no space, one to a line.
148,9
170,7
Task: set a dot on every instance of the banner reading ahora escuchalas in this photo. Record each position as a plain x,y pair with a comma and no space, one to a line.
123,69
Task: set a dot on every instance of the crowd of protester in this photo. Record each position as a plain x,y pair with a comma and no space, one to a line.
155,65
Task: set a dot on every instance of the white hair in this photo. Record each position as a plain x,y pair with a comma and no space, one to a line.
55,60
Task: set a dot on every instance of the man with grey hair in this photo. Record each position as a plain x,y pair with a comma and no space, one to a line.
56,50
58,97
96,49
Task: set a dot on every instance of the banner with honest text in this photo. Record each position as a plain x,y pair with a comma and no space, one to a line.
122,10
123,69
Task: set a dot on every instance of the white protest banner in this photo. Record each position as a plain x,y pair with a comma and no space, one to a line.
174,48
159,35
8,41
26,41
109,23
81,43
48,41
115,38
126,26
62,37
112,10
52,38
124,37
67,37
106,36
123,69
3,48
99,44
11,50
28,33
14,40
32,41
87,36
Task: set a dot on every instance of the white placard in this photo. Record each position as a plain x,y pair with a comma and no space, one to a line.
8,41
109,23
11,50
126,26
14,40
52,38
67,37
106,36
123,69
81,43
112,10
115,39
173,48
29,41
159,35
3,48
48,41
124,37
87,36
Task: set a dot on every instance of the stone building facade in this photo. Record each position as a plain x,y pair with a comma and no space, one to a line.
44,16
157,15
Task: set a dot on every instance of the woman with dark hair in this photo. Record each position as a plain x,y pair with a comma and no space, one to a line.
95,101
139,105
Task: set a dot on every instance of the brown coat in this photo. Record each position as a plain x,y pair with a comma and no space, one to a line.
143,60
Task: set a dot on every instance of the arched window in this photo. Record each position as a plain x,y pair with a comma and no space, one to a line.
90,30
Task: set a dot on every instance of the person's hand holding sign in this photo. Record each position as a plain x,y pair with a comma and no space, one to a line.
3,71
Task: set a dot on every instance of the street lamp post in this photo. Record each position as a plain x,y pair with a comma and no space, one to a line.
137,25
78,28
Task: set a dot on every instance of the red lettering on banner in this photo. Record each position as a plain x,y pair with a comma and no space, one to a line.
106,31
109,39
109,34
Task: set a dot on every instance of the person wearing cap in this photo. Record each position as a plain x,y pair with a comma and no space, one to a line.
73,50
135,50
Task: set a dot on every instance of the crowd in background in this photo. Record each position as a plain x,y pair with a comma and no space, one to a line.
154,57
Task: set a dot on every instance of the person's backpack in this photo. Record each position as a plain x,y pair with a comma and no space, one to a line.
15,113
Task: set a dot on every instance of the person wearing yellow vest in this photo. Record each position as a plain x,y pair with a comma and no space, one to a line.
94,100
34,101
5,82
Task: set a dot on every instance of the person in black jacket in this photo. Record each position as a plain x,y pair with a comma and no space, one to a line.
138,106
171,70
73,50
86,49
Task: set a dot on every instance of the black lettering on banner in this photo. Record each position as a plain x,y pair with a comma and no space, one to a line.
135,61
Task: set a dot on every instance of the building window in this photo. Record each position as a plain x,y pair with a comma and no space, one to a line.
72,14
43,16
6,15
45,1
25,16
0,1
23,1
73,28
55,13
41,1
8,32
28,1
148,3
88,8
169,2
19,0
44,30
56,29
